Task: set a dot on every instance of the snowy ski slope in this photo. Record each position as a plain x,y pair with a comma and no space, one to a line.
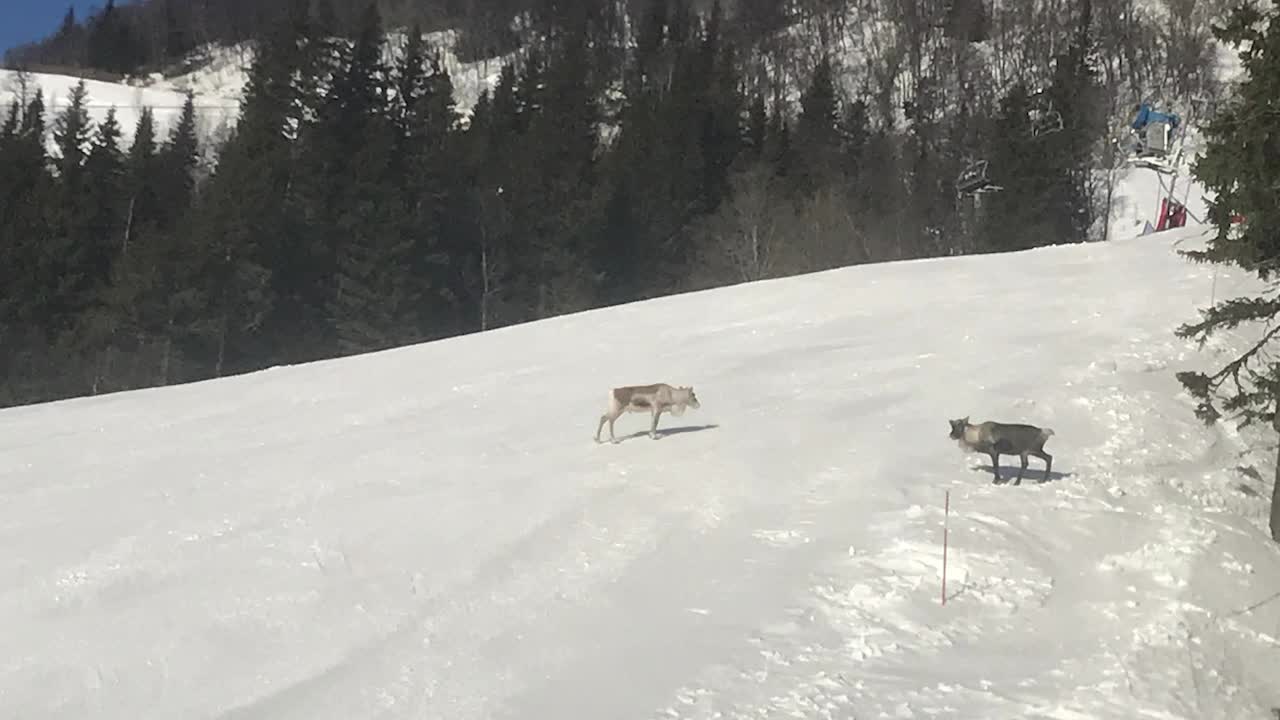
430,532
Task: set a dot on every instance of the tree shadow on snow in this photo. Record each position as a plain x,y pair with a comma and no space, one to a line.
664,432
1032,475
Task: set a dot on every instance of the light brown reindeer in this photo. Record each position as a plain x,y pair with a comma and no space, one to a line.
655,399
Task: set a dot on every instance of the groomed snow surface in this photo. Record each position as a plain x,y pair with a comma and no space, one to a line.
430,532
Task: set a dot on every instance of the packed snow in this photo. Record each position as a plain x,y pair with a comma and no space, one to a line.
431,531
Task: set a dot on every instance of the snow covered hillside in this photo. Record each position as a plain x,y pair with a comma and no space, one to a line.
217,86
217,83
430,532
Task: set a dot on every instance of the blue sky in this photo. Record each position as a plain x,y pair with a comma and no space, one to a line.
22,21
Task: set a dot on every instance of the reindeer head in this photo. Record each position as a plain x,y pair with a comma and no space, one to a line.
958,426
693,398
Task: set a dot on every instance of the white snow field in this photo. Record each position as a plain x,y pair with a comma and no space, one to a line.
430,532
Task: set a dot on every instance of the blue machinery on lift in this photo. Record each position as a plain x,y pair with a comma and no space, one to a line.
1154,134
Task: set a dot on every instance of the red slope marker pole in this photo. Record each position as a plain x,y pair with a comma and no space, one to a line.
946,516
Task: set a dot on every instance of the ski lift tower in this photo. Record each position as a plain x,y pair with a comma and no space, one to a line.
1154,147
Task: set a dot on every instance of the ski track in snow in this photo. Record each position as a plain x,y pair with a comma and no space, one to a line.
431,532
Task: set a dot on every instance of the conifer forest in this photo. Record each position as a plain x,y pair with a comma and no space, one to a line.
629,149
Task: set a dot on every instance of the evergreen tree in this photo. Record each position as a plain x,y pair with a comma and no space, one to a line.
1239,169
425,167
371,305
96,246
130,278
562,139
816,137
243,227
1021,214
158,278
931,166
68,43
482,223
143,176
11,121
494,151
112,44
71,134
1075,96
177,24
176,164
721,123
372,308
26,189
63,274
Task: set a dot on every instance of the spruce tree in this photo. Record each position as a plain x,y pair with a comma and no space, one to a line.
177,35
143,194
176,163
72,133
242,227
816,137
426,170
26,191
61,271
721,123
481,222
169,296
97,245
131,272
11,121
562,140
371,303
1239,168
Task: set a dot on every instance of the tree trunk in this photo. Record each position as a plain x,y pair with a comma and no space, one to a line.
164,357
1275,489
128,229
484,289
222,347
1275,507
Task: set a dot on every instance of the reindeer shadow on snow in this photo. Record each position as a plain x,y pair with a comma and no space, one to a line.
664,432
1010,472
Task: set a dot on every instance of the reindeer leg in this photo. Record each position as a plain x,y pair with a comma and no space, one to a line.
653,429
600,426
1022,470
1048,463
995,467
